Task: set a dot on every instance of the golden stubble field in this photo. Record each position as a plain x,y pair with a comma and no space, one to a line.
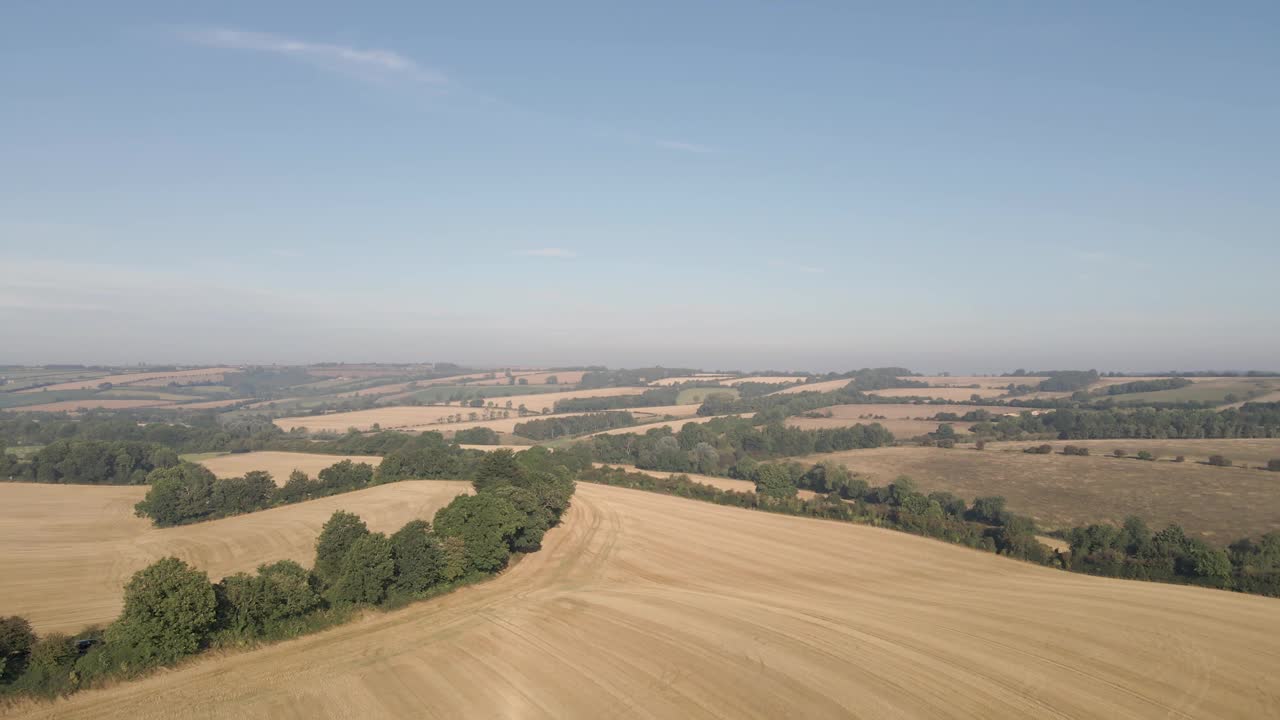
418,416
1219,504
70,549
279,464
650,606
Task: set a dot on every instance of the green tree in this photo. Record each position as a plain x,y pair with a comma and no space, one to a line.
169,609
538,517
50,664
16,639
418,557
366,571
338,535
178,495
497,468
774,481
486,523
253,604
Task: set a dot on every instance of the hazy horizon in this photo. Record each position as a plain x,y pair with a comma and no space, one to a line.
823,187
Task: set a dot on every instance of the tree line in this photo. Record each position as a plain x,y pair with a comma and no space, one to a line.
556,427
90,462
715,447
172,610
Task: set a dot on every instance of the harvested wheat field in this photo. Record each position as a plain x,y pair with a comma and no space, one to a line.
279,464
649,606
901,429
822,386
208,404
417,416
944,393
767,379
664,382
72,548
986,381
1219,504
181,377
904,411
723,483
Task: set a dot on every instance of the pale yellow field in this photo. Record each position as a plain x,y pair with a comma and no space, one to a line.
663,382
90,404
946,393
164,378
418,416
982,380
823,386
723,483
769,379
279,464
648,606
673,424
901,429
563,377
69,549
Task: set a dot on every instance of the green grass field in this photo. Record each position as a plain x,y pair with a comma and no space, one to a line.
1209,391
694,396
23,451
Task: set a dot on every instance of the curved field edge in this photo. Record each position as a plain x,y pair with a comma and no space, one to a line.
647,605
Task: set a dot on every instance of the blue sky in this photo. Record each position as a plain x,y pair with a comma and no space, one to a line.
974,186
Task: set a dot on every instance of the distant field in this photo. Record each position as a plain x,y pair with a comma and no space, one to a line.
902,411
901,429
80,544
690,378
986,381
414,416
823,386
699,395
90,404
140,394
673,424
947,393
209,404
1206,390
1252,451
1220,504
723,483
279,464
768,379
23,451
563,377
179,376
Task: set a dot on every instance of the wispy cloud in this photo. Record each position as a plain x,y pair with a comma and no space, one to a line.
368,62
684,146
551,252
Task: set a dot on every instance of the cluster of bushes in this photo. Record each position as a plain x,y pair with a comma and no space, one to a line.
89,462
716,446
1069,380
556,427
1133,551
1075,450
172,610
477,436
1038,450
